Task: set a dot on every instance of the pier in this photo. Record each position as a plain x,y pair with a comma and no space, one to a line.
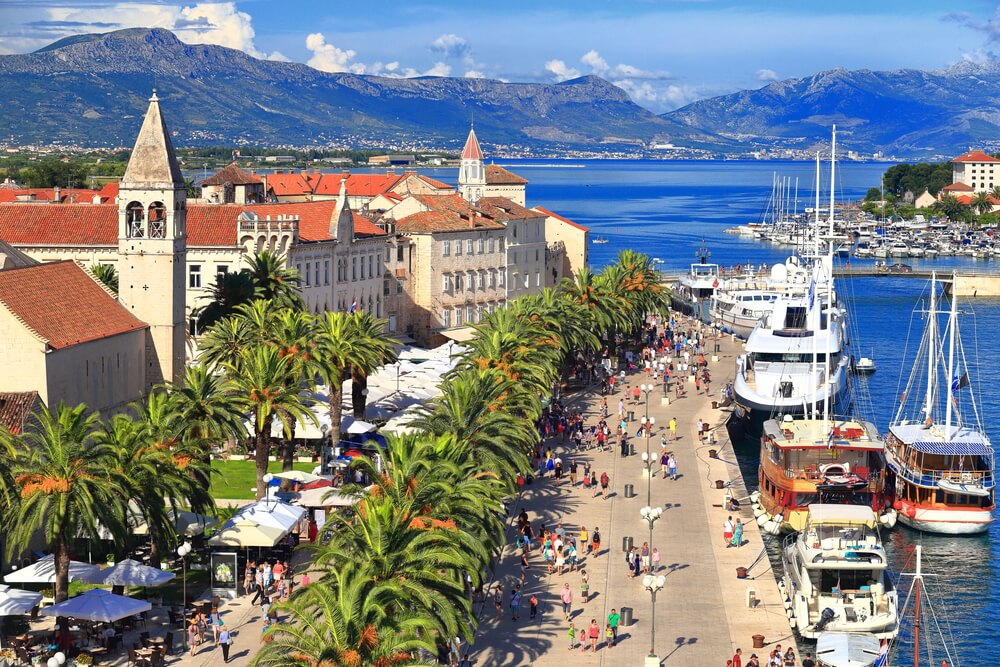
704,612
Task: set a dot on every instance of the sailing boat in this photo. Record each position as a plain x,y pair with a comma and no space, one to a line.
940,467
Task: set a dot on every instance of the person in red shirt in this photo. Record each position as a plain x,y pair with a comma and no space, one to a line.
738,658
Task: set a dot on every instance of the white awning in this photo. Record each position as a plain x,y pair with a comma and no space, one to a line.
459,334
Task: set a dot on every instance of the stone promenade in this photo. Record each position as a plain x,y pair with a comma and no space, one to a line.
702,613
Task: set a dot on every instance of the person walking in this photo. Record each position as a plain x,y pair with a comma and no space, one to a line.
699,428
614,619
605,481
584,586
664,463
572,472
515,603
571,633
595,543
566,595
673,428
672,466
727,531
737,540
225,641
656,560
592,634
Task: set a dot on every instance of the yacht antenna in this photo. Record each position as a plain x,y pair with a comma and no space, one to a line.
931,342
952,327
703,253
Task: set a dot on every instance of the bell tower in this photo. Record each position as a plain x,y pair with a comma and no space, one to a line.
152,246
471,172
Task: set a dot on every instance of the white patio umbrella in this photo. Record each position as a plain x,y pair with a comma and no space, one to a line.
185,523
352,425
44,572
248,534
325,497
14,601
131,573
297,476
98,605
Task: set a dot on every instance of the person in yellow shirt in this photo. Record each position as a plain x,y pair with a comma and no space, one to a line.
673,428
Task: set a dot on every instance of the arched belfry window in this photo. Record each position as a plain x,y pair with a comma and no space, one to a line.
134,214
157,220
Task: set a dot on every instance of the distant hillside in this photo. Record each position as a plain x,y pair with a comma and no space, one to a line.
92,89
908,113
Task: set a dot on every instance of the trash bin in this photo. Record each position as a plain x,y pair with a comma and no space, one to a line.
630,415
626,616
630,491
627,543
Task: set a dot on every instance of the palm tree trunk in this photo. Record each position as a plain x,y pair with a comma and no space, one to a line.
288,450
61,563
262,441
359,383
336,413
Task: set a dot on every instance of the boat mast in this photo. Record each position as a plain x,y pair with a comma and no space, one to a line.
952,327
812,304
917,579
829,279
931,343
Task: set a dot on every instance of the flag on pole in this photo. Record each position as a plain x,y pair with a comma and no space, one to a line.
812,294
354,306
960,382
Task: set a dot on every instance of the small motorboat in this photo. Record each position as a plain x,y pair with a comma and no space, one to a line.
864,365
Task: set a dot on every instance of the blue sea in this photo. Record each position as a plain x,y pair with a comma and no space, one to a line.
667,209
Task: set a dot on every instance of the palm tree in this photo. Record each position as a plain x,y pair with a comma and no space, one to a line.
68,486
293,336
981,203
584,290
259,379
107,274
346,622
381,350
273,281
346,341
229,291
205,412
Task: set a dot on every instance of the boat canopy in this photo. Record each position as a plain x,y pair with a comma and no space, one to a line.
952,447
846,514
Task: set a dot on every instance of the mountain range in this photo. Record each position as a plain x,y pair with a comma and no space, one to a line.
92,89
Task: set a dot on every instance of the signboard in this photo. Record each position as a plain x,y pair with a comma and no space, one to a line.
224,573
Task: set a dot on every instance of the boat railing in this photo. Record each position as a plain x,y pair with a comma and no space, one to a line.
979,478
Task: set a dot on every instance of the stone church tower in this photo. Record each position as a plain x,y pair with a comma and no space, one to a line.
472,173
152,247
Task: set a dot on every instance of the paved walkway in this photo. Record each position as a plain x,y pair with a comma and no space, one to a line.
701,614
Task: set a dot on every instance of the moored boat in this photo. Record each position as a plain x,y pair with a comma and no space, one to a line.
939,458
847,649
695,291
804,461
836,576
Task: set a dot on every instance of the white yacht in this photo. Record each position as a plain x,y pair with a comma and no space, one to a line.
794,361
737,310
695,291
836,575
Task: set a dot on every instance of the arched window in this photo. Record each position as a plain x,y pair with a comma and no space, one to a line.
134,214
157,220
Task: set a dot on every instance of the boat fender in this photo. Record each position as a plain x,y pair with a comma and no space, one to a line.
755,496
910,511
771,526
757,511
897,505
762,519
893,517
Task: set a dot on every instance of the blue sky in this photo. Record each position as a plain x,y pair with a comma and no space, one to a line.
665,53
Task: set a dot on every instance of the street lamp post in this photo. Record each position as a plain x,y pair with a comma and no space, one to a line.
183,551
653,584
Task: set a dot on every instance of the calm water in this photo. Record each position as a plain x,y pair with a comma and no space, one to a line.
665,209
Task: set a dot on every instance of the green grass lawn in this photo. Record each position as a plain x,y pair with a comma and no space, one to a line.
237,479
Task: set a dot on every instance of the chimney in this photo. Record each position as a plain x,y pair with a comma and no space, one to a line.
56,192
96,199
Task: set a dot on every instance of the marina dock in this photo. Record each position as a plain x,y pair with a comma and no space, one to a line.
702,614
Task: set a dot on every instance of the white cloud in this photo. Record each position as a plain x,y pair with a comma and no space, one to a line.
451,45
474,74
560,70
767,75
599,66
329,58
439,69
595,61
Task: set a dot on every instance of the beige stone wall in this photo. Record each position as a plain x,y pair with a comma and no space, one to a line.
336,275
106,374
515,193
23,355
575,240
525,257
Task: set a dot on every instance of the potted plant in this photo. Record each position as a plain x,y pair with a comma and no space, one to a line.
84,659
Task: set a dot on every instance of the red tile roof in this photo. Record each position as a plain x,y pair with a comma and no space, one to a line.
446,213
472,151
958,187
559,217
63,305
975,156
497,175
16,408
66,195
288,184
502,209
231,173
